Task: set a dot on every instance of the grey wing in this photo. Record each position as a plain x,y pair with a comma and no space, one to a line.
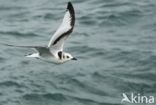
44,51
59,37
41,49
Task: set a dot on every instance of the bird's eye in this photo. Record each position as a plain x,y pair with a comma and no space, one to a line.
67,56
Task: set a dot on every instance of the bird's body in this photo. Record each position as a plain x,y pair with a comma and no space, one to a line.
54,51
58,57
48,58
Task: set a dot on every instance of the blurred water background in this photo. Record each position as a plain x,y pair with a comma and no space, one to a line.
114,41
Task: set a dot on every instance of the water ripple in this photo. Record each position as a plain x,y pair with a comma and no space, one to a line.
114,41
18,34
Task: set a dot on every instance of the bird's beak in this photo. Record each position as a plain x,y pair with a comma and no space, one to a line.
73,59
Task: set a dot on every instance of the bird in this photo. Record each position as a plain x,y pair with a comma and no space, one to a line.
54,52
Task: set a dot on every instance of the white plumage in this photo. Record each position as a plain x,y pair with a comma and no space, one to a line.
54,50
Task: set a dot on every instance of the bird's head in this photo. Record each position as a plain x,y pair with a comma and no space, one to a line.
67,57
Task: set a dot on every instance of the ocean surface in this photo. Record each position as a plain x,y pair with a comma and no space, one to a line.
114,41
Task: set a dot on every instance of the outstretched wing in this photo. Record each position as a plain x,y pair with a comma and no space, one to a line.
40,49
59,37
22,46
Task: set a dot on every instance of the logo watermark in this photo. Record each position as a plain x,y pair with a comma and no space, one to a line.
137,98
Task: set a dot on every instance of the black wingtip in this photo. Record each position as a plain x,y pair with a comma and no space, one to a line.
72,12
70,7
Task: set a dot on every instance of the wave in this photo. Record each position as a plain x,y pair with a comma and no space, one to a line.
10,83
60,97
18,34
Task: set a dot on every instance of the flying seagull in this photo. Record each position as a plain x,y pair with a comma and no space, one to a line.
53,52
